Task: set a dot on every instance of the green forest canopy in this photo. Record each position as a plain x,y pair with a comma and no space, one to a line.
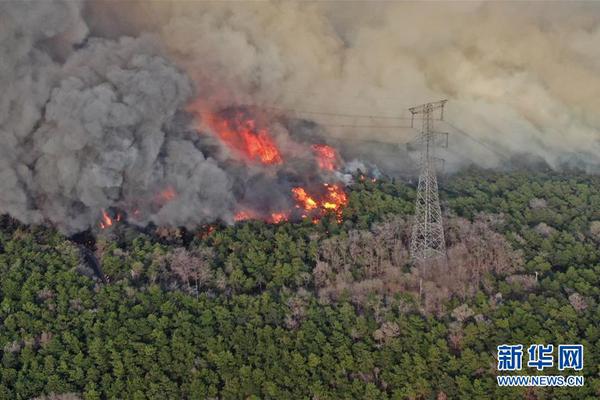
310,311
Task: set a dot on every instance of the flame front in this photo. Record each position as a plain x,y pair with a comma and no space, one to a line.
274,218
243,215
106,220
242,135
304,200
278,217
334,199
244,131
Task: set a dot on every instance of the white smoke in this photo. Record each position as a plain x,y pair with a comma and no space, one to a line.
523,77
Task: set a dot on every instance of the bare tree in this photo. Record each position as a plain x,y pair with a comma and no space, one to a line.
194,267
578,302
180,262
372,261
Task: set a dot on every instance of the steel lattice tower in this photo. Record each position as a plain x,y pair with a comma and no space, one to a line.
427,240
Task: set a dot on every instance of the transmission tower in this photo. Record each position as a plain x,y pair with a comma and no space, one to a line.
427,240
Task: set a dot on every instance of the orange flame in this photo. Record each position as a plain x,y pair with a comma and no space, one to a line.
306,202
243,215
333,200
242,135
279,217
336,197
326,156
106,221
274,218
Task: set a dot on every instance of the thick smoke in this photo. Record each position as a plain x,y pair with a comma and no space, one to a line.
94,112
522,77
92,133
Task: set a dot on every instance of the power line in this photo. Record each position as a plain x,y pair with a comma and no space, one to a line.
366,126
336,114
398,100
375,116
481,143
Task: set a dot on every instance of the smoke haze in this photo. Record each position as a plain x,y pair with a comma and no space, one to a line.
95,110
523,76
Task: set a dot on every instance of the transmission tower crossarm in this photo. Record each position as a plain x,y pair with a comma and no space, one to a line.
427,108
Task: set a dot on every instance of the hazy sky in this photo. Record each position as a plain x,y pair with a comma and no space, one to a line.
522,75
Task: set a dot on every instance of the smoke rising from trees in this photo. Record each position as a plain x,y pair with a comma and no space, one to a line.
92,113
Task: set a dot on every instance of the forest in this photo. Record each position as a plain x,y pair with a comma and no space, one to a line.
298,310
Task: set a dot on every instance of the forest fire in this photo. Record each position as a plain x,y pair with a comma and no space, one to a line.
246,131
242,134
106,221
330,198
304,200
278,217
205,231
273,218
334,199
244,215
326,156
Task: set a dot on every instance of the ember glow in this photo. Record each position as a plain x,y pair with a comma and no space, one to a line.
106,221
304,200
273,218
334,199
326,156
243,216
166,195
278,217
248,133
242,134
206,231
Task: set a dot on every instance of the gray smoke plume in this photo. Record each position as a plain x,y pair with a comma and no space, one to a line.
521,77
95,109
90,134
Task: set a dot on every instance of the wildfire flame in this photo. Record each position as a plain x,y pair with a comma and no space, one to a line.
246,134
326,156
106,221
243,215
274,218
242,135
303,199
278,217
334,199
